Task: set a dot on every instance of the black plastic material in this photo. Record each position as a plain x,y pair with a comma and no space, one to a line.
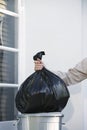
43,91
39,55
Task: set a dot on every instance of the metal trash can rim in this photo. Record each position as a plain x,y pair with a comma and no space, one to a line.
49,114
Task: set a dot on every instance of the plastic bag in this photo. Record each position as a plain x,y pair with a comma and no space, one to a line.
43,91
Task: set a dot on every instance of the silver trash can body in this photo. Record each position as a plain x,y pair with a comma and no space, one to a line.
40,121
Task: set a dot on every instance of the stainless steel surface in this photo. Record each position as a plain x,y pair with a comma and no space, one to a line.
8,110
8,125
8,67
41,121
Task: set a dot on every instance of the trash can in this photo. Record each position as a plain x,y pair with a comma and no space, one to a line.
40,121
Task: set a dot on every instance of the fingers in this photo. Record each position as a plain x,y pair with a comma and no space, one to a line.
38,65
38,61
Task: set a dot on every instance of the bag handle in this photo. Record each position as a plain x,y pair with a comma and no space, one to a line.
39,55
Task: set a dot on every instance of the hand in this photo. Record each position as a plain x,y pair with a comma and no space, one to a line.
38,65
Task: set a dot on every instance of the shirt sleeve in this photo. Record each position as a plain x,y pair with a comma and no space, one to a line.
74,75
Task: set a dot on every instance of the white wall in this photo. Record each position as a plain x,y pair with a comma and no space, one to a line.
56,27
84,43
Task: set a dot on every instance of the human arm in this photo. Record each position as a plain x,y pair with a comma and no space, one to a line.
73,75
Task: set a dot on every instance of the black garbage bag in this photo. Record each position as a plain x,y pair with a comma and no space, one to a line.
43,91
